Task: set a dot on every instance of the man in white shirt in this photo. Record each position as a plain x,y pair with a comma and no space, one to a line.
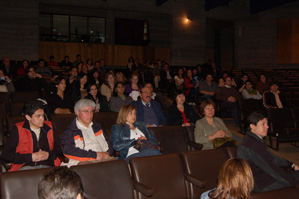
84,140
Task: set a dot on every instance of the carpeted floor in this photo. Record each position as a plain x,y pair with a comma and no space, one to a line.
286,150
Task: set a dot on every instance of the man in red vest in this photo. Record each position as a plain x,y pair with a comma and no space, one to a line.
32,144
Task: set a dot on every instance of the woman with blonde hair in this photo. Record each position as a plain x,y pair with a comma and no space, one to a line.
127,132
235,181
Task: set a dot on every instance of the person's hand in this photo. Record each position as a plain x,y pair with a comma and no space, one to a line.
295,167
186,124
38,75
142,138
7,78
231,99
40,156
102,156
218,134
148,125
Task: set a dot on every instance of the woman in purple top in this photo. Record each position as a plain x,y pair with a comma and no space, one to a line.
133,86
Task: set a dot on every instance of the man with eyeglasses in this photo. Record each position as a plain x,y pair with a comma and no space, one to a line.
32,144
84,140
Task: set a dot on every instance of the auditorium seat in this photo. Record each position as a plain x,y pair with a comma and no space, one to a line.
16,108
24,96
204,165
164,174
106,120
61,121
192,145
106,180
12,120
289,193
21,184
282,126
171,138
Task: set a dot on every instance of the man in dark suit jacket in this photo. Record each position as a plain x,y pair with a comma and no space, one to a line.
148,110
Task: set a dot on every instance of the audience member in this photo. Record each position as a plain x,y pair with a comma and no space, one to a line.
262,85
235,180
94,78
52,61
97,98
79,89
32,82
108,87
66,64
119,98
229,96
101,70
127,132
60,101
42,69
242,82
180,113
120,77
7,68
209,127
78,60
265,165
179,79
274,98
21,69
156,73
84,140
6,84
84,69
130,64
80,66
62,183
167,79
190,88
221,80
32,144
133,88
89,64
249,93
208,88
149,111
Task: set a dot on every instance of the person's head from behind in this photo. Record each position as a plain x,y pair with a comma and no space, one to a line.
258,123
207,108
127,114
84,110
34,113
146,94
235,180
62,183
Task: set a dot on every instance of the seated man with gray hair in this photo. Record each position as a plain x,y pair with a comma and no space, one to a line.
84,140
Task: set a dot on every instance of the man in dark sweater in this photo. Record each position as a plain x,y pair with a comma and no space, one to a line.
265,166
148,110
229,96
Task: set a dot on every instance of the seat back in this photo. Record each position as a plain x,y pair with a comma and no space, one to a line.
107,180
21,184
61,122
24,96
280,118
16,108
204,165
162,173
106,120
12,120
289,192
1,131
189,133
172,138
296,116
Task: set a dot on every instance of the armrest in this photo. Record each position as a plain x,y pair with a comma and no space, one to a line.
145,190
6,165
195,145
195,181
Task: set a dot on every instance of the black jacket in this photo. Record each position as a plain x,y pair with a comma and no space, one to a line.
175,117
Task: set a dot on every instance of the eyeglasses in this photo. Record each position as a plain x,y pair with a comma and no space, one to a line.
87,111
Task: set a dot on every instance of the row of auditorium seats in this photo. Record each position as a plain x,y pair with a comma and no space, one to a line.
171,176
